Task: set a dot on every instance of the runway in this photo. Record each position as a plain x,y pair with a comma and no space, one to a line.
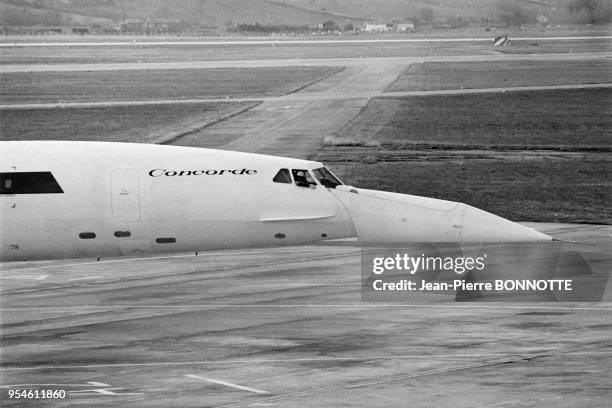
286,327
329,62
289,42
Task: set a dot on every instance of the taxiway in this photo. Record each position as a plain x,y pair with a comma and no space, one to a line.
287,327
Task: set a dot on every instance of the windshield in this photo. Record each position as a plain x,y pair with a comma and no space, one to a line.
326,177
303,178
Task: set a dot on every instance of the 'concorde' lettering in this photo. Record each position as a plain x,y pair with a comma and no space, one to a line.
211,172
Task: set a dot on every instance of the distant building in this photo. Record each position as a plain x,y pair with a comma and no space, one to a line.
404,27
153,26
379,28
328,26
80,30
38,30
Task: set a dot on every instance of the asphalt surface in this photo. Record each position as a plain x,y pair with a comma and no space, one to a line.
287,327
299,62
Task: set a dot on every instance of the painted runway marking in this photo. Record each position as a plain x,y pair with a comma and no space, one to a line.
289,42
48,385
85,278
25,277
103,388
228,384
106,389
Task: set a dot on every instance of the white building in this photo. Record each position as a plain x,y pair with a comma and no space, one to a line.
404,27
376,28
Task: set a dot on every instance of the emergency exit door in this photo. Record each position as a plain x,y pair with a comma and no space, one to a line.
125,195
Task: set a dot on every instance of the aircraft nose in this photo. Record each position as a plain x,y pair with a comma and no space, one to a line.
380,216
480,226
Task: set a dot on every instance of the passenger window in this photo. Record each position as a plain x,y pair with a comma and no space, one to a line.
326,178
282,176
303,178
38,182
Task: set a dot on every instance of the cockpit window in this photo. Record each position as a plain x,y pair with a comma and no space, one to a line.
282,176
326,178
303,178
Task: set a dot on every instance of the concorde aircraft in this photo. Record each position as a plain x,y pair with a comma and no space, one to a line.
64,199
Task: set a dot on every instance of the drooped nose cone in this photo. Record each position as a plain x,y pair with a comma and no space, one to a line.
479,225
380,216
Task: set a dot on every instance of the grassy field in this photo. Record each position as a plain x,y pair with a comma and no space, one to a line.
489,74
156,84
527,156
557,119
153,124
50,55
553,189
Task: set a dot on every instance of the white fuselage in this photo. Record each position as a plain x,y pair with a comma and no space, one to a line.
140,198
94,199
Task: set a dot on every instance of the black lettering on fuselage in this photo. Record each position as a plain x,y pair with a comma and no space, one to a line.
211,172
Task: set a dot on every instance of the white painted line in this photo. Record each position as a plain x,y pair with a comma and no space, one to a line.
495,90
93,394
106,390
85,278
289,42
228,384
45,385
110,104
103,391
25,277
83,394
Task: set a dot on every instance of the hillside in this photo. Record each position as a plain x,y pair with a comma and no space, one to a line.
217,13
226,13
475,10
